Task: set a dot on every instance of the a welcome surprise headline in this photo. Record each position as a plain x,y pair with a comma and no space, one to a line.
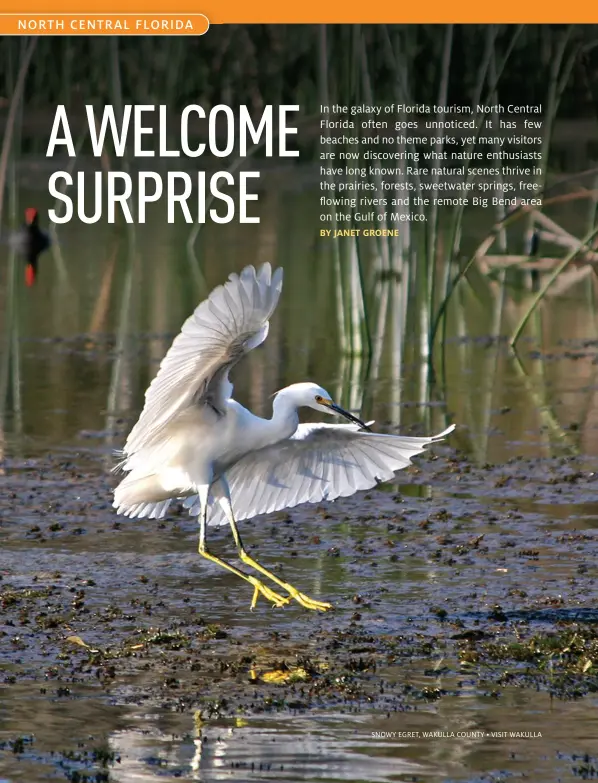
228,132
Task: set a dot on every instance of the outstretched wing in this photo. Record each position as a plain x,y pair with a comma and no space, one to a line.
320,462
224,327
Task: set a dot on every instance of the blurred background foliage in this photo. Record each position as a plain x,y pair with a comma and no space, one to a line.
400,314
261,64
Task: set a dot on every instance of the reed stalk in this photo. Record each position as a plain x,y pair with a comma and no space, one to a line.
432,225
459,211
10,369
560,72
98,318
342,271
547,416
585,243
15,102
61,267
121,363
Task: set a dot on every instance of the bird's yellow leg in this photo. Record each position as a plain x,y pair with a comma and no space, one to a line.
258,586
304,600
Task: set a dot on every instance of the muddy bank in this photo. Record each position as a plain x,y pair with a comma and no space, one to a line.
464,581
501,571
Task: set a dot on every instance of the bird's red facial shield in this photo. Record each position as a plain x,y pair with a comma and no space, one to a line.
30,215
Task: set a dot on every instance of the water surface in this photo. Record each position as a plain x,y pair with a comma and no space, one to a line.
492,539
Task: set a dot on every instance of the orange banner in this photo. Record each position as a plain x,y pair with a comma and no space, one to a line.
269,12
103,24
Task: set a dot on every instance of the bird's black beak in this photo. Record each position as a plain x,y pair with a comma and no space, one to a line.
342,412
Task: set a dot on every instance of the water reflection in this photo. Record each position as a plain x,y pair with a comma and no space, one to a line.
86,341
318,748
438,743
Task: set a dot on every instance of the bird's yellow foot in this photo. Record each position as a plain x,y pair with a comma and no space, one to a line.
306,601
270,595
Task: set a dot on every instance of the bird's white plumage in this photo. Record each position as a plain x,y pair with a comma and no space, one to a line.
319,462
232,321
191,433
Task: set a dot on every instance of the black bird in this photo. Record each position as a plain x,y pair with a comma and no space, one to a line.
30,241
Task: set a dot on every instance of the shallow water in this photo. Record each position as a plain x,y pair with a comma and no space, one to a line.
492,539
326,746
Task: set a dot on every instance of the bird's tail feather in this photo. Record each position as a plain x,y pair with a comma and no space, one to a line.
141,496
149,510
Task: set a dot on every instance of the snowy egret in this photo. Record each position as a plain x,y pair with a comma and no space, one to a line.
195,443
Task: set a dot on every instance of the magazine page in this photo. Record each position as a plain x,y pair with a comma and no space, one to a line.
298,417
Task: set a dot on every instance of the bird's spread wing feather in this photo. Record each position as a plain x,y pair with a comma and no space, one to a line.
224,327
320,462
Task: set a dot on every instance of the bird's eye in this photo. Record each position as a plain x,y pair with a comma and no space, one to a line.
318,398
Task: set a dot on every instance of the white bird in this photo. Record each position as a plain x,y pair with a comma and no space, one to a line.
194,442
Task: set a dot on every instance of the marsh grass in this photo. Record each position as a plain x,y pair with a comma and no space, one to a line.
394,297
120,387
412,279
10,366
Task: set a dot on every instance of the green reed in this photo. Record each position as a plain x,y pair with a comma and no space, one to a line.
10,366
393,296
